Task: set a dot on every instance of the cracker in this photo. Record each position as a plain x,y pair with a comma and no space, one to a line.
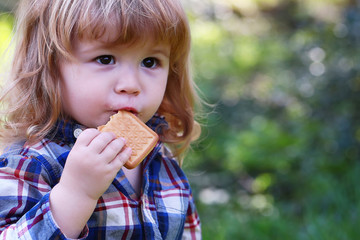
139,137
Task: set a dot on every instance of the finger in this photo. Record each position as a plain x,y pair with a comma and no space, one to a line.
87,136
113,148
121,158
100,142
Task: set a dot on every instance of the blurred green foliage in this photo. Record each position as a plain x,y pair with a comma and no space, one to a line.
279,156
6,24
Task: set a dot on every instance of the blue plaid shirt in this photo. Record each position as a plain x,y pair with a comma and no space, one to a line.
165,209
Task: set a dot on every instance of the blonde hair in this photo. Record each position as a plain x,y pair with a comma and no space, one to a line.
45,30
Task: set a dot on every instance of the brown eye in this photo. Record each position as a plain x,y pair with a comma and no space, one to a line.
105,59
149,62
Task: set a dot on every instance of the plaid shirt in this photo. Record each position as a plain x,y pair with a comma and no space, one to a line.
165,209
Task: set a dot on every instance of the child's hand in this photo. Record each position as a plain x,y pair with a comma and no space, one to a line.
93,163
90,168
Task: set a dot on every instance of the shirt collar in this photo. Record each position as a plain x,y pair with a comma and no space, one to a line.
66,131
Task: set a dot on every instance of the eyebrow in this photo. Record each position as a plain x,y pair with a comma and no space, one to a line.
85,48
161,51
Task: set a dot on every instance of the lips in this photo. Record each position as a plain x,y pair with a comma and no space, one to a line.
130,109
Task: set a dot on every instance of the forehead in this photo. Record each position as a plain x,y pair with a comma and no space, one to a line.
96,46
111,34
111,38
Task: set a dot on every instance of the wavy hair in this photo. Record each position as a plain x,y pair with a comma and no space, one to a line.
44,34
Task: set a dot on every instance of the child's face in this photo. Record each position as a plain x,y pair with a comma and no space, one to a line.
104,80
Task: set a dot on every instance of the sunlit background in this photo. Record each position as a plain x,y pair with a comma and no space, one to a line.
279,154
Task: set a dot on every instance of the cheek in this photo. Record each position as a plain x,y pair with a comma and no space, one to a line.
168,92
74,97
161,92
67,100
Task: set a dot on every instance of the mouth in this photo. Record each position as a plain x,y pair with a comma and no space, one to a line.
128,109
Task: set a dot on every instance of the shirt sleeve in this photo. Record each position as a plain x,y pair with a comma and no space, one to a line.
24,200
192,228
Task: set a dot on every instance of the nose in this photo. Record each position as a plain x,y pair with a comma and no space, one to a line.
128,82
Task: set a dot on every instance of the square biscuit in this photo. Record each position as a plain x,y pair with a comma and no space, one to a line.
139,137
